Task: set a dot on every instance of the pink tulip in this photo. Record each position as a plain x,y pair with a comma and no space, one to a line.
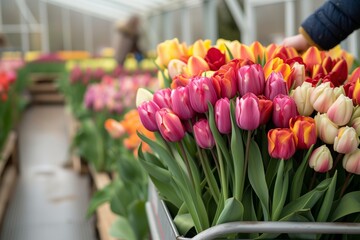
341,110
169,125
203,134
162,98
351,162
327,130
251,79
180,103
275,84
346,140
321,159
247,112
222,115
147,111
201,92
284,109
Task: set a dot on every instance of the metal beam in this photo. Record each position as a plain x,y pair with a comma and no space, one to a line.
238,15
44,27
25,12
169,25
186,25
66,28
16,28
211,24
289,18
88,35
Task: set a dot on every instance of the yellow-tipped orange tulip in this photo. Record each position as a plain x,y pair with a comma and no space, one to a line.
312,57
270,51
355,75
258,51
337,52
278,65
246,53
233,46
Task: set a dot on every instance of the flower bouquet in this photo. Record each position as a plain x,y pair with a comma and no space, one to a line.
253,133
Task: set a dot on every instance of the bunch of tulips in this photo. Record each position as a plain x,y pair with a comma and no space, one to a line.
254,133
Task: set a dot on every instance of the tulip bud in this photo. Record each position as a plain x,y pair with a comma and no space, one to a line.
341,110
301,96
176,67
203,134
321,159
225,80
275,84
356,91
162,98
247,112
351,162
312,57
326,129
304,129
284,109
346,140
202,91
215,58
281,143
181,103
222,115
169,125
114,128
323,97
355,123
147,111
266,109
298,74
251,79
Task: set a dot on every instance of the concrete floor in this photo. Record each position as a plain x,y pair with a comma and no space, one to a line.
50,201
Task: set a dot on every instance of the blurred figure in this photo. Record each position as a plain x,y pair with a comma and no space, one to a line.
127,40
2,41
327,26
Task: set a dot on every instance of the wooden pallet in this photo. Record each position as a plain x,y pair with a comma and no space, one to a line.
9,168
105,217
43,88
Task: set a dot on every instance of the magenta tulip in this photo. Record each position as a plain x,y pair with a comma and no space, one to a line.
169,125
251,78
275,85
203,134
284,109
202,91
147,111
222,115
247,112
162,98
180,103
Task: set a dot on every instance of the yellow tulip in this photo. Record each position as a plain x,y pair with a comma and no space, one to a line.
168,50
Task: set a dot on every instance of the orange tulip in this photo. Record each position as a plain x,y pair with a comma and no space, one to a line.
270,51
196,66
338,53
305,130
278,65
258,51
114,128
281,143
355,75
312,57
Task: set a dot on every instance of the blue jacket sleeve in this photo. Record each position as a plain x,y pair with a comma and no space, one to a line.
332,23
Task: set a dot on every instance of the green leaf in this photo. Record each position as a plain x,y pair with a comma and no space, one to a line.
100,197
123,196
256,176
349,203
327,203
122,229
233,211
138,220
159,173
280,191
168,191
271,171
183,223
299,176
306,201
237,151
229,52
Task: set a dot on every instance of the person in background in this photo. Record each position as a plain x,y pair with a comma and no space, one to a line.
327,26
127,40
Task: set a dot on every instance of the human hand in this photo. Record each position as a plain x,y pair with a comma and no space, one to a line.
298,42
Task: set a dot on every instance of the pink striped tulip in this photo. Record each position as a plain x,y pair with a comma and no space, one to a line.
162,98
203,135
284,109
247,112
275,84
169,125
181,103
251,79
305,130
202,91
341,110
147,111
346,140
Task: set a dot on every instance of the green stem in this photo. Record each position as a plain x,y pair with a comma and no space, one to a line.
338,158
215,160
214,189
247,152
187,163
222,174
312,181
345,185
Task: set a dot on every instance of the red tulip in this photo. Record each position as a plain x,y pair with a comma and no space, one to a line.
247,112
147,111
203,134
215,58
266,109
202,91
222,115
251,79
169,125
181,103
305,130
225,80
281,143
284,109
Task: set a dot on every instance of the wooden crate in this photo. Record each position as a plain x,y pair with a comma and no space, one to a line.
9,169
43,88
105,217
